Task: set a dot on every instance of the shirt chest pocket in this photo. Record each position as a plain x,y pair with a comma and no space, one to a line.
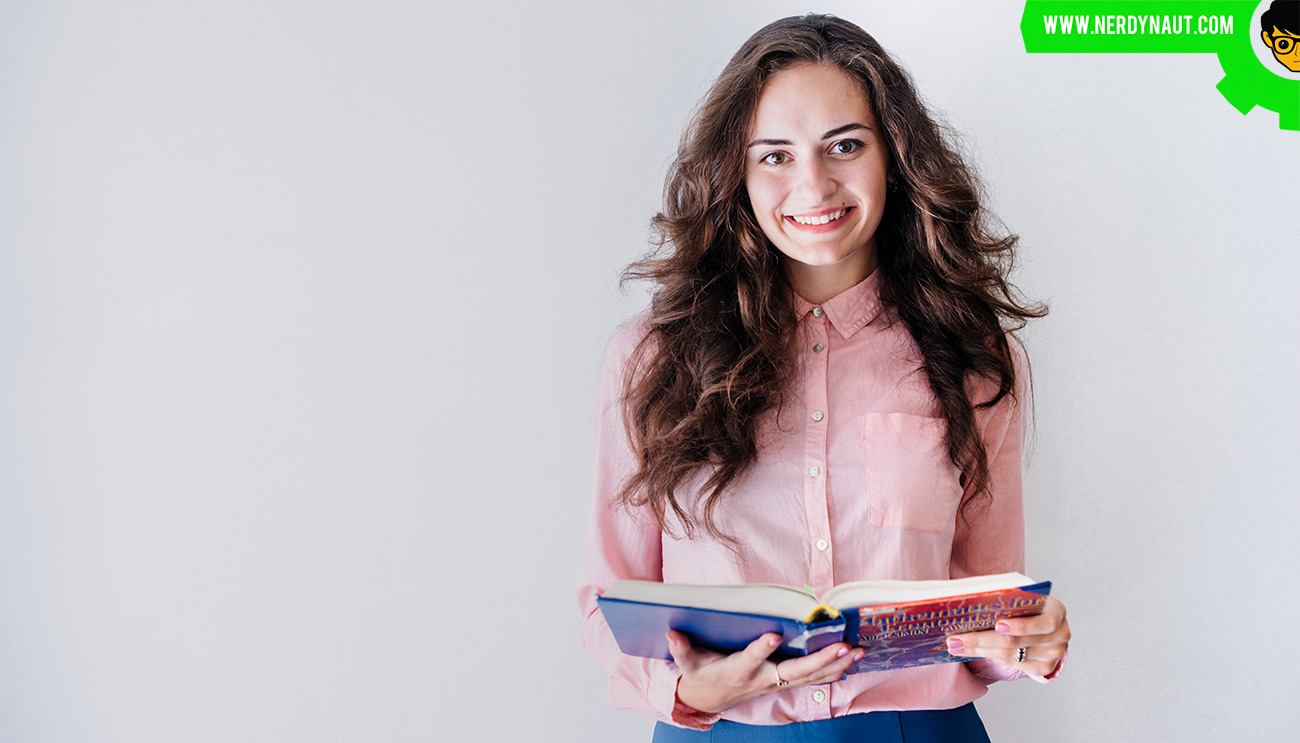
911,481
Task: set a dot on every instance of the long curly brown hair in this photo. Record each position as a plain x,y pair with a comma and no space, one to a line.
719,355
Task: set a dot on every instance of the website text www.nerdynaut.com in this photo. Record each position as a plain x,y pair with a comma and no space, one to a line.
1259,61
1210,25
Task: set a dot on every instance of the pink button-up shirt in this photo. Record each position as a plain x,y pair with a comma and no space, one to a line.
853,482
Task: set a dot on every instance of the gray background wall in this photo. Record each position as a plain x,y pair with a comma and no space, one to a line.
302,307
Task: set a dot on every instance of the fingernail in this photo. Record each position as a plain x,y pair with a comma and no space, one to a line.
843,652
1002,627
859,655
954,645
773,642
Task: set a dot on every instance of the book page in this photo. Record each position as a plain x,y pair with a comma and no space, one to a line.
870,593
768,599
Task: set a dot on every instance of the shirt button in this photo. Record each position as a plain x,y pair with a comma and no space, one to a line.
815,471
822,544
817,347
817,416
817,312
819,696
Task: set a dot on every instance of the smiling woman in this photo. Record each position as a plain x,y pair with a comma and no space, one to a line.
825,389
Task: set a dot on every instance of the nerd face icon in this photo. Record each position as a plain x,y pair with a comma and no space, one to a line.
1280,28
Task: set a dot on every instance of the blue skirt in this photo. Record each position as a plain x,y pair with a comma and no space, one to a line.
961,725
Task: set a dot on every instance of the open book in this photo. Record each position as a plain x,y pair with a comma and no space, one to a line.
898,623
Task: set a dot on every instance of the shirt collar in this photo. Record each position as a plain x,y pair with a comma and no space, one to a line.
850,310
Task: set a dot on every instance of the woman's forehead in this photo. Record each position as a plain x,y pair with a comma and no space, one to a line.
810,96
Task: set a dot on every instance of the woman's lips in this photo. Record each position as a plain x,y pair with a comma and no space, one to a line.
822,221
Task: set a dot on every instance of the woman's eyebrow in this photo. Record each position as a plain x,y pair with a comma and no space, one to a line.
845,128
832,133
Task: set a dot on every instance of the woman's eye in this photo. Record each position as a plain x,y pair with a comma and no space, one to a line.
845,146
774,158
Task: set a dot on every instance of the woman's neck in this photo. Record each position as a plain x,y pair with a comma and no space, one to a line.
819,283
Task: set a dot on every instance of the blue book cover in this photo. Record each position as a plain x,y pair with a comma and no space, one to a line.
641,628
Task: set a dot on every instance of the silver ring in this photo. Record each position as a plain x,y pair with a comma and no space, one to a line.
780,682
1020,655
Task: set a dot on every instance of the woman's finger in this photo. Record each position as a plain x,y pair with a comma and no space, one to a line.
1038,655
686,656
1046,628
756,653
683,654
1039,660
1045,623
835,670
990,645
963,644
829,662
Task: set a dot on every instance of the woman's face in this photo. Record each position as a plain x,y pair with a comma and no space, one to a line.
816,169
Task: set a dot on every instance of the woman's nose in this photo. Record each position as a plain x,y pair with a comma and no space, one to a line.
816,181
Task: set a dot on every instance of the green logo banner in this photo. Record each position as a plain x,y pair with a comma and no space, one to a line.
1219,27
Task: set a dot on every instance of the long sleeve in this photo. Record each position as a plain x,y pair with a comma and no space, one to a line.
622,545
991,539
990,536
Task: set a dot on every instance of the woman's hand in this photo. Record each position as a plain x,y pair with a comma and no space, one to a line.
1044,638
712,682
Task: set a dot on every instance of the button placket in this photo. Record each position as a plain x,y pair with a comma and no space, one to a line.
816,496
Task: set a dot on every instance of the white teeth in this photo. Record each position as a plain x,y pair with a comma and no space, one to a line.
823,219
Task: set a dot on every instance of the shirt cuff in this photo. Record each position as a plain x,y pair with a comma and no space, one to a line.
663,696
